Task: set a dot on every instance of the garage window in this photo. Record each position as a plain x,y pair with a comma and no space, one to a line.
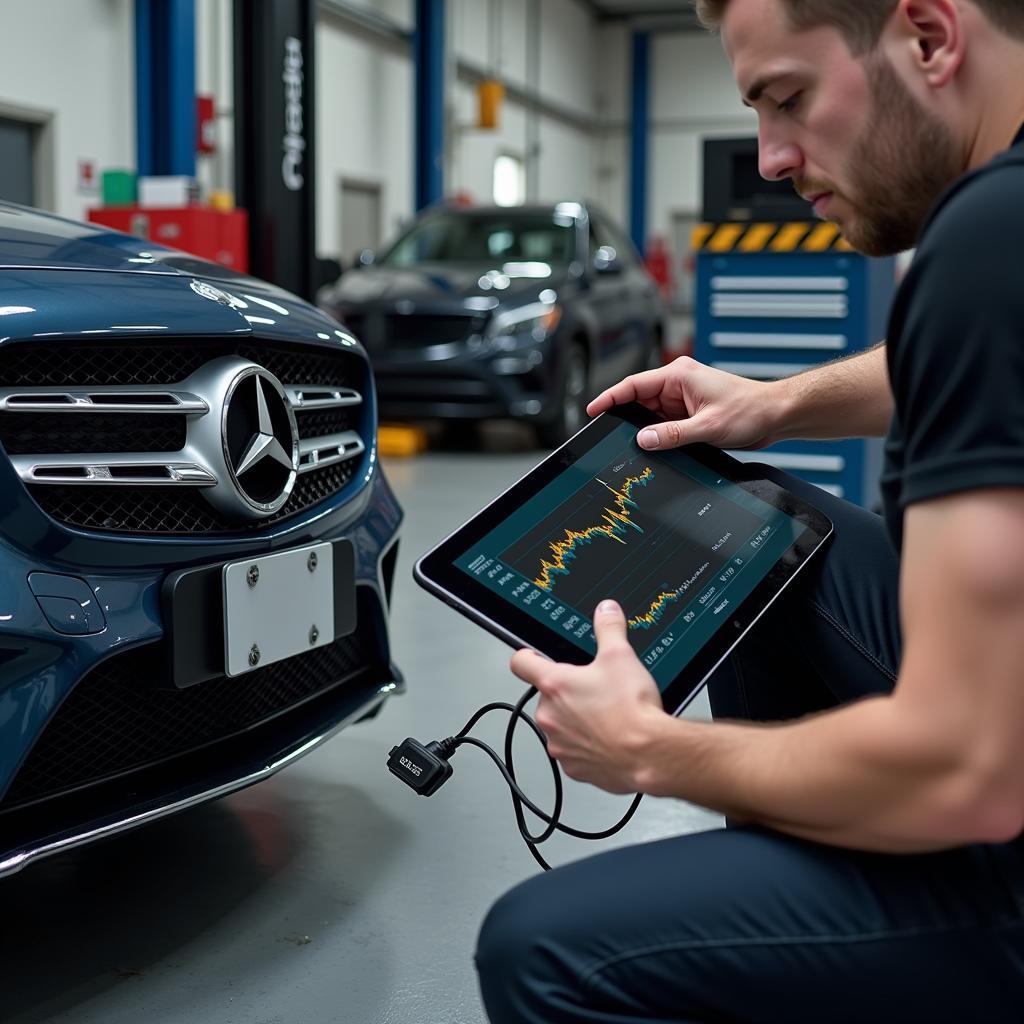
509,181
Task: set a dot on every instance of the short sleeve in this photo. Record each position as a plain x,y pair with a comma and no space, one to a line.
958,365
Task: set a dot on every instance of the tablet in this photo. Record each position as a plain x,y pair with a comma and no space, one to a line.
690,542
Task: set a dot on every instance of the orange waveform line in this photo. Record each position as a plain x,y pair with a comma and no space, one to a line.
615,521
655,612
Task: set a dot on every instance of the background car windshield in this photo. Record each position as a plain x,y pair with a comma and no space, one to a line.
491,240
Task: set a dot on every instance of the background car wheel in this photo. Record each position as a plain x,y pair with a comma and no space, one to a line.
571,410
654,357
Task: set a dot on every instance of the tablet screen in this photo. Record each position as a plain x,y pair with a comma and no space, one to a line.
678,545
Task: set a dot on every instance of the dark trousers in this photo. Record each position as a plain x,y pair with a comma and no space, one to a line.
745,924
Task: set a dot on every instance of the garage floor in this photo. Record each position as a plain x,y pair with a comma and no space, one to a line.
329,893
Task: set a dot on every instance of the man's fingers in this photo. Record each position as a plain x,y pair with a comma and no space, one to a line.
528,665
640,387
671,434
610,627
624,391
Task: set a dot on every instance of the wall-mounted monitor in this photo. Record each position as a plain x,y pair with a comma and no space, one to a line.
735,191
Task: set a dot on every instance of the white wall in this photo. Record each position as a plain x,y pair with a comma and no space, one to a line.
611,154
400,12
72,62
215,77
565,86
693,96
364,126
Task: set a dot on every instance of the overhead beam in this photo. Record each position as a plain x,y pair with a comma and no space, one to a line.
368,24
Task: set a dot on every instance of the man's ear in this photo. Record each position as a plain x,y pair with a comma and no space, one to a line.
934,31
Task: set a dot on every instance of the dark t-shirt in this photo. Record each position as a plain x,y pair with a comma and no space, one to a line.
956,346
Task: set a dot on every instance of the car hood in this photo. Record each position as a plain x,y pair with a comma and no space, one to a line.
63,278
433,286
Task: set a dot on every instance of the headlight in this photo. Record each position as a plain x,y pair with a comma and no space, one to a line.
527,324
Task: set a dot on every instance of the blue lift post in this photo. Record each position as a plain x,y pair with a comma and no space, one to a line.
165,85
639,139
428,82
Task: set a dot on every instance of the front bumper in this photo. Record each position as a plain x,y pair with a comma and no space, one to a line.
520,384
93,740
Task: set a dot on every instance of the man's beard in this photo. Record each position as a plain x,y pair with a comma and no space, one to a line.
901,164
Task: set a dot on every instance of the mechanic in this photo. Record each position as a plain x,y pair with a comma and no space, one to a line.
873,869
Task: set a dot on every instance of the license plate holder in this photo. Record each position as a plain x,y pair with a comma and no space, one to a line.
277,606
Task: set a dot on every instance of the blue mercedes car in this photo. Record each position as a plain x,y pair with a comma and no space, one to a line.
197,543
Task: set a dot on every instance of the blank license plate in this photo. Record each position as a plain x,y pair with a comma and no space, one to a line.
277,606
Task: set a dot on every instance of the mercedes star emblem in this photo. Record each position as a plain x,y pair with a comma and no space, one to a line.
261,444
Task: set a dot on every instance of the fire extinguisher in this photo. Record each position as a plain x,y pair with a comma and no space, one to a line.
659,264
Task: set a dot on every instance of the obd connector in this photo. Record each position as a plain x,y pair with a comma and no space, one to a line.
424,769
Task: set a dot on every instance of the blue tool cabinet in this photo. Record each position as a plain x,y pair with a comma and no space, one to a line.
774,301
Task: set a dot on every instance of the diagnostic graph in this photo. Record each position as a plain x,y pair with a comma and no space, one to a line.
652,538
615,522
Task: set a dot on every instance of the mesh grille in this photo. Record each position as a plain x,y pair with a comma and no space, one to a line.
413,331
154,363
115,720
159,510
45,433
321,422
418,331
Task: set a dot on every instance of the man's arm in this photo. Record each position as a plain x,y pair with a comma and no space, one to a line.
938,763
847,398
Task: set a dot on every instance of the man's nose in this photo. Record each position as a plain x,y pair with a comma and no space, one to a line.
777,159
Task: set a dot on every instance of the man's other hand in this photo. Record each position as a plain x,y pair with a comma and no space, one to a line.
599,718
698,403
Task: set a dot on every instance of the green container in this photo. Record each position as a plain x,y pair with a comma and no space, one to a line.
118,188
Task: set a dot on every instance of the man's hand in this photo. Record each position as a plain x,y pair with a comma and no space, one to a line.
699,403
599,718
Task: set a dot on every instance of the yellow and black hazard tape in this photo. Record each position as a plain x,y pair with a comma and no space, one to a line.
798,236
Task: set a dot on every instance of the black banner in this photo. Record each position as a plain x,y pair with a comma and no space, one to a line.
274,138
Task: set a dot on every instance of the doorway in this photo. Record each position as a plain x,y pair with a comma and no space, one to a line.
17,161
360,218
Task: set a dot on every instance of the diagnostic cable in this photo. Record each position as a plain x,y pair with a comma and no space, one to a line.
425,768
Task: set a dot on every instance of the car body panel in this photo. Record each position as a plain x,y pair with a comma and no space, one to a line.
69,285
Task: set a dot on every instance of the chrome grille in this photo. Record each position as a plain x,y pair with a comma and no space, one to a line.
99,433
377,330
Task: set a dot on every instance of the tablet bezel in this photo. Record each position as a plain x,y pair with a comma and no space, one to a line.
438,574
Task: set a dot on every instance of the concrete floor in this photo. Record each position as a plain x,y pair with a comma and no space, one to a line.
329,893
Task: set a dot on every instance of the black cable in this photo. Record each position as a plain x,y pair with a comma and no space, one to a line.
519,799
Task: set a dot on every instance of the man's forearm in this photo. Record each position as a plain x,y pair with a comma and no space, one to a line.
848,398
860,776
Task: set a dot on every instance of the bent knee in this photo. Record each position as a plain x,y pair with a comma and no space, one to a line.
511,928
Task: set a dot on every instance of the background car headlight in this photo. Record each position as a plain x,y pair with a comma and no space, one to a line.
526,325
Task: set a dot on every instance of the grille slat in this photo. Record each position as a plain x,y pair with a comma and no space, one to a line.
115,721
155,510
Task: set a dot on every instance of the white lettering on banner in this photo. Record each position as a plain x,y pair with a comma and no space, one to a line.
294,144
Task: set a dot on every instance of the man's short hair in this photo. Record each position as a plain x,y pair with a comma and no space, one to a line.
861,21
